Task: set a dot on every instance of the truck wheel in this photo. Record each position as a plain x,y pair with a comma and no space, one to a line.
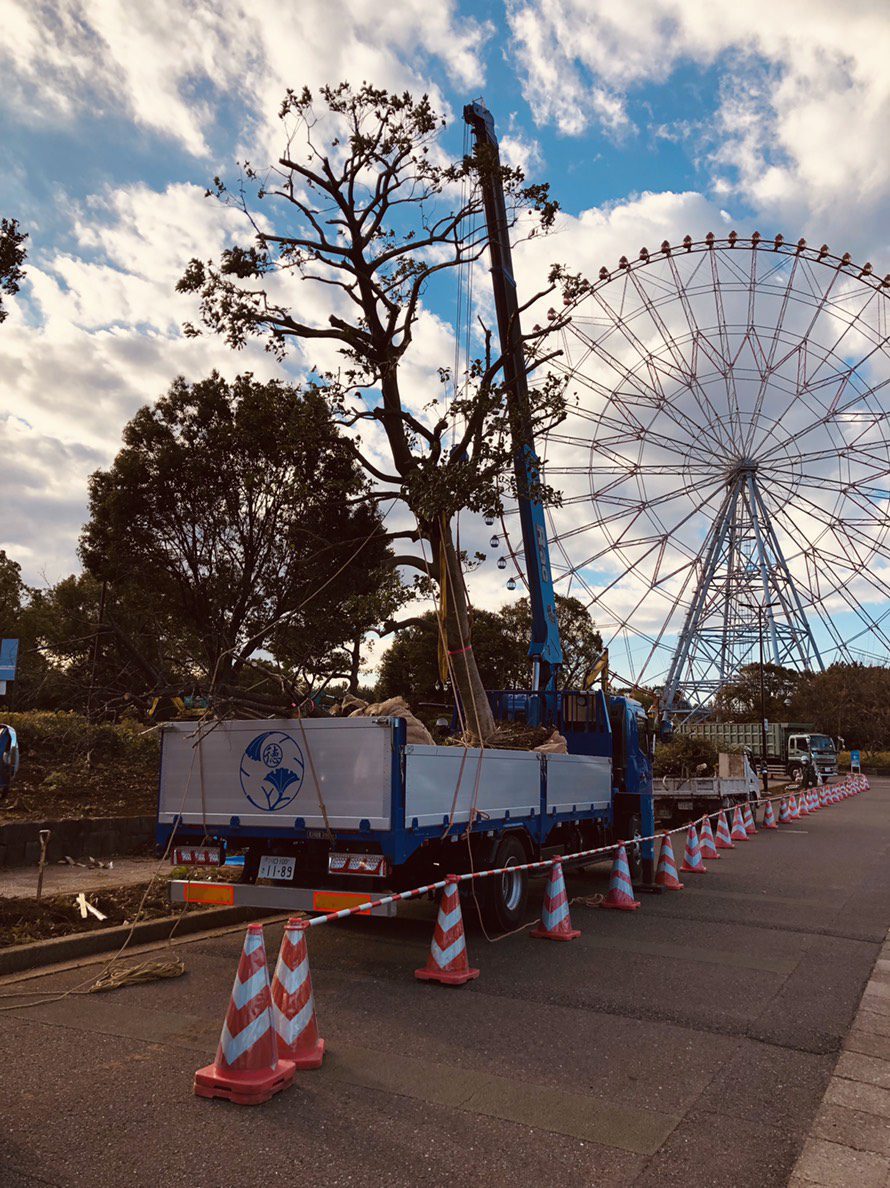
503,898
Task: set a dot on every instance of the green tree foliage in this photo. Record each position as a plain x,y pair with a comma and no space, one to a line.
240,512
364,208
500,643
12,257
740,699
850,701
684,756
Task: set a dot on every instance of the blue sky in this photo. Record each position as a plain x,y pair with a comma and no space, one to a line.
650,118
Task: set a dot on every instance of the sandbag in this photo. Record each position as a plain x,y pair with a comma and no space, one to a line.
555,745
397,707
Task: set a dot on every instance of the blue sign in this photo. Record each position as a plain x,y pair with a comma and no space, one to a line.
272,771
9,653
854,759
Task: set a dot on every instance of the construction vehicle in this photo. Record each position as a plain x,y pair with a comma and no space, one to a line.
335,812
788,744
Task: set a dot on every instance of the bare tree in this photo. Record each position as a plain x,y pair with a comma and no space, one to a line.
369,218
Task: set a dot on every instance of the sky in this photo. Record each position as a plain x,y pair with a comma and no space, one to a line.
651,119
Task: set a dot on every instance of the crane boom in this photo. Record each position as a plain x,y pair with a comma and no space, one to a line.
545,648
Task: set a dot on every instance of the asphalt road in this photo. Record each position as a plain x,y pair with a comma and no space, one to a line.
687,1043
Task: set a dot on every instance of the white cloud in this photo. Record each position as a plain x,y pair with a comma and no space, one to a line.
804,103
168,66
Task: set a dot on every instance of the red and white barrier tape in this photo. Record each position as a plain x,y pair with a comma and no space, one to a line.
402,896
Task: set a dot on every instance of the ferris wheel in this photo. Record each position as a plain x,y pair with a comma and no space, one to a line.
724,463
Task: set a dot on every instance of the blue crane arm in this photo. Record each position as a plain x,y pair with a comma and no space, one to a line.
545,648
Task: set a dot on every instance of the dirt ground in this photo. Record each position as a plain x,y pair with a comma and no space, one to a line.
24,920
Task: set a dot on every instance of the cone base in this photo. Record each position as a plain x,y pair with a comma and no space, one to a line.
750,832
770,826
711,857
621,905
455,977
312,1057
684,869
541,933
243,1088
671,885
722,845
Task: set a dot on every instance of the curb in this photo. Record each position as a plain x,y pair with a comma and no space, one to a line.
84,944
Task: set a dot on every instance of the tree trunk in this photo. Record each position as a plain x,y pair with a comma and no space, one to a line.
355,664
465,671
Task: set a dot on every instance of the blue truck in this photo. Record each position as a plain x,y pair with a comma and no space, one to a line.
333,812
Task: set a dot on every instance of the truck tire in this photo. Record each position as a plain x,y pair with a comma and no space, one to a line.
503,898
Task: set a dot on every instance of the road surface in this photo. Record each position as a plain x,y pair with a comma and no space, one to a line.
687,1043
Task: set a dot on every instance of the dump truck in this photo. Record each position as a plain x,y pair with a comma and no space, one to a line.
787,743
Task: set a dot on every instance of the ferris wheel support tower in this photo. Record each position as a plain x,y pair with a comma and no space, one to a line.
743,570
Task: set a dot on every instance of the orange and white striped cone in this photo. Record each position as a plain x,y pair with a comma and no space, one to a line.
620,895
802,808
748,816
724,840
784,815
666,874
293,1003
447,962
793,812
814,801
692,863
556,923
823,798
769,816
706,841
247,1069
739,832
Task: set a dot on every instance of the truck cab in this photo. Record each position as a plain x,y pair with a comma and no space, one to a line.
820,746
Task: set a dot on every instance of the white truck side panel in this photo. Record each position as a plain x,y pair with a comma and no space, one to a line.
441,783
260,772
578,783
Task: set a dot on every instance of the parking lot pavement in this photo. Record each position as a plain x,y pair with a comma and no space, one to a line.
688,1043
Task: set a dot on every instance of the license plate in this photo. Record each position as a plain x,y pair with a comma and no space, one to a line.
272,867
684,804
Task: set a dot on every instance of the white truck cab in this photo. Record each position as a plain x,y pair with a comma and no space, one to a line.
820,746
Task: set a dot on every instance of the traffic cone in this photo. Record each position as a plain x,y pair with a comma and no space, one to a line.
784,815
814,801
739,832
293,1003
556,924
447,962
823,798
247,1069
802,809
666,874
692,863
792,807
724,841
706,841
620,895
769,816
748,816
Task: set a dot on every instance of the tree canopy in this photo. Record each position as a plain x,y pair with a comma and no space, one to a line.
500,641
740,698
12,257
241,512
362,217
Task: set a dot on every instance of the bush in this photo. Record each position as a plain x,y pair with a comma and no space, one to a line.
71,767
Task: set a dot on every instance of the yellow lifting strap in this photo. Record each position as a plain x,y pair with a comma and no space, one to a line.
599,668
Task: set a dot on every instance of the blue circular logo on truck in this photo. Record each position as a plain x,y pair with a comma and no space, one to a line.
272,771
